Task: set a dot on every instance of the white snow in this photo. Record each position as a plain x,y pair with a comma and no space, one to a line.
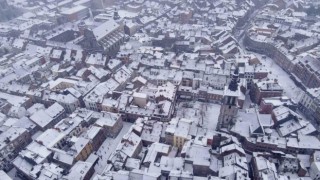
195,109
109,146
276,72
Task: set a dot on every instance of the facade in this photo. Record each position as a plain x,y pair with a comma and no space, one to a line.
281,56
180,135
47,118
84,148
111,124
105,38
315,171
262,168
268,104
81,170
265,89
229,108
13,140
96,136
307,71
309,103
76,13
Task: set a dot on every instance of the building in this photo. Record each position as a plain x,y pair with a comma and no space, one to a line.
75,13
111,123
261,44
181,134
12,141
105,38
96,136
140,99
229,108
263,169
81,170
202,162
265,89
131,145
94,99
310,103
306,71
47,118
82,147
315,170
268,104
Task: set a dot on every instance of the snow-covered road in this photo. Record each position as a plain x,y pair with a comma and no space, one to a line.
275,71
109,146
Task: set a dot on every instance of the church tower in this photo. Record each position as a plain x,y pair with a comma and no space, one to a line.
116,15
229,108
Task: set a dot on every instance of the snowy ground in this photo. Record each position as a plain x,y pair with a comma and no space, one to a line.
109,146
290,88
193,110
12,174
275,71
247,101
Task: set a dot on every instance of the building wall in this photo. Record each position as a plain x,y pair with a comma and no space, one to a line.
314,172
11,150
310,106
141,102
265,108
270,50
114,130
260,75
200,170
70,107
228,111
85,153
306,75
256,94
77,15
179,141
169,138
137,150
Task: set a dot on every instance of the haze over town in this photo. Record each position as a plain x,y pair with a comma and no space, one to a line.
159,89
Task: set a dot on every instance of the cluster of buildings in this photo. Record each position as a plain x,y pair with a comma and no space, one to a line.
286,33
159,89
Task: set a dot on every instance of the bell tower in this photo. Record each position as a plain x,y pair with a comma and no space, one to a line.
229,107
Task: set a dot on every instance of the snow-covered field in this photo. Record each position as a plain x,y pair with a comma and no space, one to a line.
109,146
199,111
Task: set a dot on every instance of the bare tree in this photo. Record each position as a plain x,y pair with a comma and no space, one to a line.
183,112
203,109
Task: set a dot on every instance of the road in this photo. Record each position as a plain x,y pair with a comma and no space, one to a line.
12,174
240,31
109,146
291,90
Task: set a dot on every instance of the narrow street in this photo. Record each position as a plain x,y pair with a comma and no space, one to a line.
276,72
108,147
12,174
